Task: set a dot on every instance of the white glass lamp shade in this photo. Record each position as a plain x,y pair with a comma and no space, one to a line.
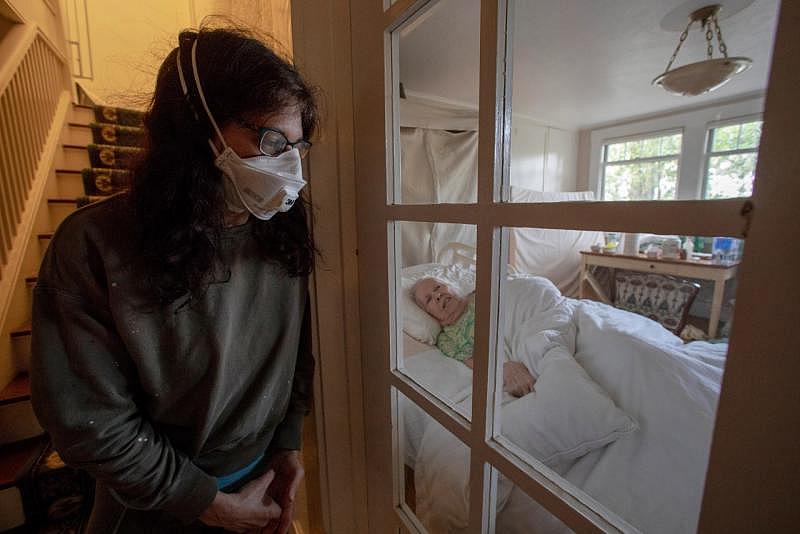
703,76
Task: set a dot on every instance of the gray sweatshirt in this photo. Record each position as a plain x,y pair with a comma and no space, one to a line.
155,401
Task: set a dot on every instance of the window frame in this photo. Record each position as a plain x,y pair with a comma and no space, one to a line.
604,163
693,121
708,151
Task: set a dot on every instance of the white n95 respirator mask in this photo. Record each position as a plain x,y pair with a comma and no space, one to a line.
262,185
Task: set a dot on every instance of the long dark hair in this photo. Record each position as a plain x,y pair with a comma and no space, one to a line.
176,193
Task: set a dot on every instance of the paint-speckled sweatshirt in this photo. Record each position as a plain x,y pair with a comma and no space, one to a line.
154,403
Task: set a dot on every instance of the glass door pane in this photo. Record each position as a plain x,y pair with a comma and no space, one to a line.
587,123
433,471
435,277
436,134
614,348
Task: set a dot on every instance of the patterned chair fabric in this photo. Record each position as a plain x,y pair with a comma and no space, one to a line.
661,298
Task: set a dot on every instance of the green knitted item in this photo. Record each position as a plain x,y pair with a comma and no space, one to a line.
112,115
458,339
114,134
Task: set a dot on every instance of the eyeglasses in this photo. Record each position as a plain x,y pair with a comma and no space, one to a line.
273,143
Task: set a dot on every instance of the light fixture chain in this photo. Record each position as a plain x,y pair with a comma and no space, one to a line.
709,38
684,35
722,46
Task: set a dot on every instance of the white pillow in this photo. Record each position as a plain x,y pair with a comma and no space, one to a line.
416,322
566,416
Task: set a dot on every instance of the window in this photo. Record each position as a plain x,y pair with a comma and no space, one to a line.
731,156
645,168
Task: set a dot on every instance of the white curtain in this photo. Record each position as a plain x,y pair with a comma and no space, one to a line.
548,252
437,167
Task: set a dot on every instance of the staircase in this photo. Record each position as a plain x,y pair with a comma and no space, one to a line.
38,492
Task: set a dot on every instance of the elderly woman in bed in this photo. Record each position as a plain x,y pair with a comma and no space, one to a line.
456,315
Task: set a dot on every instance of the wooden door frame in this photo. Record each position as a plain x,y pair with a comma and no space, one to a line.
321,36
751,482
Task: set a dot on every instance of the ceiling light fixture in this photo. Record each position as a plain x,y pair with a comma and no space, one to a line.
702,76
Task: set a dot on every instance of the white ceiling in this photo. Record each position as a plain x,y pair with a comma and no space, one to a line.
579,63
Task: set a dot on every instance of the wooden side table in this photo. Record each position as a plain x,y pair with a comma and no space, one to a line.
701,269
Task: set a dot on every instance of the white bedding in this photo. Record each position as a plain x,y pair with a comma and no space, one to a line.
652,477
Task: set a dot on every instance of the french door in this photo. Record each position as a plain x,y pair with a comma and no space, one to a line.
474,144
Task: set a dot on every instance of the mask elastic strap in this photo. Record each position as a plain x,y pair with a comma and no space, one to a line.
184,87
180,74
203,100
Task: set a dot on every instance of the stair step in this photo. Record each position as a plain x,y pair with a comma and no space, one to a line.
16,460
73,156
22,331
69,183
17,463
12,520
18,390
81,114
76,133
18,421
59,209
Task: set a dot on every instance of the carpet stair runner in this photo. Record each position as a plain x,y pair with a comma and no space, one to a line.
55,497
117,136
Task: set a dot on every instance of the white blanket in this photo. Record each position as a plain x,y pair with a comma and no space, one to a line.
653,477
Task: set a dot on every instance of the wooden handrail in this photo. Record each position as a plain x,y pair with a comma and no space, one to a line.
33,78
13,47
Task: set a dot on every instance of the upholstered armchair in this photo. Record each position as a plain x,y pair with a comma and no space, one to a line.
662,298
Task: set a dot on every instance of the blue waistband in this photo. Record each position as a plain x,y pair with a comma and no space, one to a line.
227,480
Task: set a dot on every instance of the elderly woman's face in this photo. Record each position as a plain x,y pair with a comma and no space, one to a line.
439,300
244,141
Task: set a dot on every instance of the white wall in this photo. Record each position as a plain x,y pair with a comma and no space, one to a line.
584,147
129,40
543,158
45,16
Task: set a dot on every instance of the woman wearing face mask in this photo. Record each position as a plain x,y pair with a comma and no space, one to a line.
171,351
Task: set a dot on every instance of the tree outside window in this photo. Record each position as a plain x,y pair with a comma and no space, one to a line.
644,168
731,156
